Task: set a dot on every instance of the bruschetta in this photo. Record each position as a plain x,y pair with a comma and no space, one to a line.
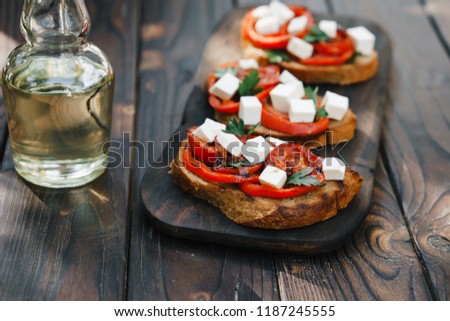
279,103
322,52
259,182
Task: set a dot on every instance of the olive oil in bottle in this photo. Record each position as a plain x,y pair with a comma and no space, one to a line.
58,93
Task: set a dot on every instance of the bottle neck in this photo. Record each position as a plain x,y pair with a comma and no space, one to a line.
55,22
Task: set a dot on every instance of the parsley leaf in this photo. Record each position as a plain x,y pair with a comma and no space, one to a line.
315,35
277,56
238,128
352,59
321,113
252,129
312,94
302,173
302,179
222,71
242,164
248,86
235,127
308,181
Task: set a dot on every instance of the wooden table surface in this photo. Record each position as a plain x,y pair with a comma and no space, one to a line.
93,243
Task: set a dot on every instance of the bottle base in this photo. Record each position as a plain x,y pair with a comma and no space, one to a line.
57,173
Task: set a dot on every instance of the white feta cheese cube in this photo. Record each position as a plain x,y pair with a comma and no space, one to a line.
302,111
282,94
209,130
256,149
231,143
287,78
267,25
281,11
277,142
205,133
273,176
215,126
258,140
363,39
300,48
335,105
248,64
300,89
225,87
329,27
333,169
250,109
298,24
261,12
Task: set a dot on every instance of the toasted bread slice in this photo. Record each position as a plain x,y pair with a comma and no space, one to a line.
267,213
363,68
337,132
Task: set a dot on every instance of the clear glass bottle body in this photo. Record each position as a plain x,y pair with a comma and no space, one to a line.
58,93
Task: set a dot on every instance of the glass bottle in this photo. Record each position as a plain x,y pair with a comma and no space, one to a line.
58,92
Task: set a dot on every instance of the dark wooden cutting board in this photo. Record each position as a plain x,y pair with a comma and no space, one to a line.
180,214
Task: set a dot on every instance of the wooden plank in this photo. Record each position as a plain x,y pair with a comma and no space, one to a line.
71,244
378,263
200,271
162,267
10,37
438,12
416,133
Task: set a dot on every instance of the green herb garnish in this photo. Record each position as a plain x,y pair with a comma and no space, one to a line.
253,129
248,86
242,164
315,35
238,128
235,127
321,113
312,94
222,71
302,179
352,59
277,56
